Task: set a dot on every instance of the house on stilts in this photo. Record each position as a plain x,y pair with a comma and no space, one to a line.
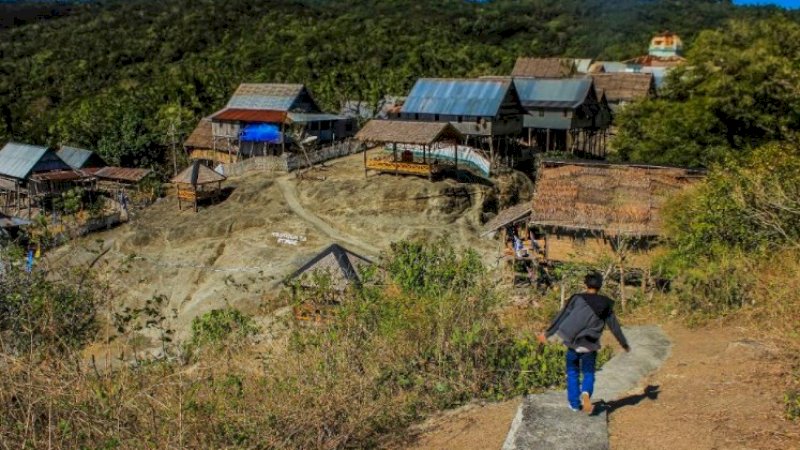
264,120
487,111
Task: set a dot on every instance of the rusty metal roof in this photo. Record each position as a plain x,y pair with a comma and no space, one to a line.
60,175
123,174
250,115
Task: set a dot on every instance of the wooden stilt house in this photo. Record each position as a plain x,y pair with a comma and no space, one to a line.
196,183
29,173
563,115
487,111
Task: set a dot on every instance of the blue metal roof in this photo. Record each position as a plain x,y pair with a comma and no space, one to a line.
475,98
75,157
20,160
552,93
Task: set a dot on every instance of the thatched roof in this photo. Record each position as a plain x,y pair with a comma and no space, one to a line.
335,261
544,67
202,136
197,174
406,132
613,198
625,87
508,216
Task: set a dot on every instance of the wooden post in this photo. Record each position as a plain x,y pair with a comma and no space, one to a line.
178,193
547,146
283,137
530,137
455,147
491,151
195,197
365,163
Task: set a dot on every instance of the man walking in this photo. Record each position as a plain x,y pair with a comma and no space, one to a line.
579,326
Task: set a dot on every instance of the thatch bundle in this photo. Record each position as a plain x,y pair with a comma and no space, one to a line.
616,199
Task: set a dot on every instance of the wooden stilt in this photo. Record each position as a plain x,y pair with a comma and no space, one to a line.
547,146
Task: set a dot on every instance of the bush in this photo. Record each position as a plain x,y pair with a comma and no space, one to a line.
792,401
41,314
723,232
219,325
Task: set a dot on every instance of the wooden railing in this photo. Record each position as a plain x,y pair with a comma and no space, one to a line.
404,168
291,162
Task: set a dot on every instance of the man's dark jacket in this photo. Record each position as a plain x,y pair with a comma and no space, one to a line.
580,324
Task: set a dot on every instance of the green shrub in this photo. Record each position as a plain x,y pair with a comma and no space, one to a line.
40,313
792,401
219,325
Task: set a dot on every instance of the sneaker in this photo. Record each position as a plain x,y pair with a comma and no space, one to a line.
574,409
586,403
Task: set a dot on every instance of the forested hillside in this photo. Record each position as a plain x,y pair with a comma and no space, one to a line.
115,76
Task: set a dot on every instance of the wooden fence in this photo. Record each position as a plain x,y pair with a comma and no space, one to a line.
291,162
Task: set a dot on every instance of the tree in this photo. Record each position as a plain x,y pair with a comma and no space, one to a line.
740,89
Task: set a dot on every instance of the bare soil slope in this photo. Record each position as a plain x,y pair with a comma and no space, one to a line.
227,253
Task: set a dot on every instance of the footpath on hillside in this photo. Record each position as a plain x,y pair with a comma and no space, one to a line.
545,421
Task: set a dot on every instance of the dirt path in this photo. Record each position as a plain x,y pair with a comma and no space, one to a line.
718,390
290,195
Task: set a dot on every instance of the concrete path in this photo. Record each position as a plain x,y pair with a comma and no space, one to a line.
289,193
544,421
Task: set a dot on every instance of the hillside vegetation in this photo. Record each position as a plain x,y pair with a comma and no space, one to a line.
116,76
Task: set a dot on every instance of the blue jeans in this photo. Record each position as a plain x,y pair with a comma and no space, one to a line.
579,364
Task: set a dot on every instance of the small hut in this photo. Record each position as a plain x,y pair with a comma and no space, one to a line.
196,183
321,282
417,148
589,210
335,261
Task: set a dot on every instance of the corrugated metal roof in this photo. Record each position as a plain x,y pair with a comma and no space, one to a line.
313,117
279,97
553,93
128,174
78,158
250,115
60,175
476,98
19,160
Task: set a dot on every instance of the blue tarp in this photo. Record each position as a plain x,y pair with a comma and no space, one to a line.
261,132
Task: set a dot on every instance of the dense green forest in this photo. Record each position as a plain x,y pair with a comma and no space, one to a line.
117,76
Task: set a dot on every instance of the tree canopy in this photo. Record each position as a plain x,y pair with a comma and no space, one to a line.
118,76
740,89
